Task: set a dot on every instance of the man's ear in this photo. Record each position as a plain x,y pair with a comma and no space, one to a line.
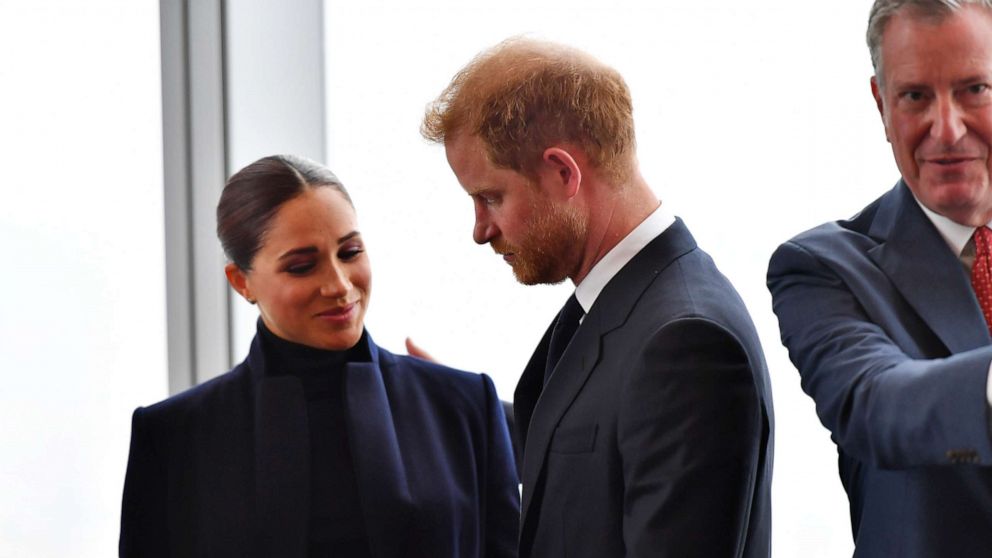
876,91
562,164
238,280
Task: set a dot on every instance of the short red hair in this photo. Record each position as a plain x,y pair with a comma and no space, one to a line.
523,96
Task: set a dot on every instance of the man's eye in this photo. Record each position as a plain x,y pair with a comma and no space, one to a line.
912,96
978,88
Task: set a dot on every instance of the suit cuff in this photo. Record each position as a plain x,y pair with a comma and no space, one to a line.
988,386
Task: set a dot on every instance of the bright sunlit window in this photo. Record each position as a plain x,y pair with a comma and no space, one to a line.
82,317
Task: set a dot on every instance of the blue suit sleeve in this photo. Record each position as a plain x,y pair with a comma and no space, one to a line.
882,406
143,509
502,499
690,434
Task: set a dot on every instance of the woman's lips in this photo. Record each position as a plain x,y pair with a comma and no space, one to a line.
339,314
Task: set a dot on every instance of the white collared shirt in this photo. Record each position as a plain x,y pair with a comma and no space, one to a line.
588,290
958,239
956,235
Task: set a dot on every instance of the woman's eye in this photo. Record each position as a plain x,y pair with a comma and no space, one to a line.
349,254
299,269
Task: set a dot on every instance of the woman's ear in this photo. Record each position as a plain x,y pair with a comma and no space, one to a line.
238,281
565,168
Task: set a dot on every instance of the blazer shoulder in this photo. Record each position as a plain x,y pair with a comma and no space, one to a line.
212,394
842,235
693,287
441,383
830,249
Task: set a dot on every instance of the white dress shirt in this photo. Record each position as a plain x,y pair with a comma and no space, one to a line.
588,290
958,239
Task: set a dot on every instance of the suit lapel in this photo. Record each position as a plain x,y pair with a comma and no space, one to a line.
529,387
609,312
282,466
382,482
927,274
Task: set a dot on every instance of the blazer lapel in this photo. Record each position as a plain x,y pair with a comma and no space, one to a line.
609,312
382,483
282,466
927,274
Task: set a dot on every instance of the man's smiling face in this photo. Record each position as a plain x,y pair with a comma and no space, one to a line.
935,97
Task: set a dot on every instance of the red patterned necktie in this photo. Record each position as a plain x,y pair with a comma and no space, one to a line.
981,272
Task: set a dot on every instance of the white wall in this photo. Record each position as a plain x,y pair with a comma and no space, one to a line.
754,121
82,311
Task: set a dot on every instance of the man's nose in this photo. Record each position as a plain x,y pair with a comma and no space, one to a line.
484,231
948,121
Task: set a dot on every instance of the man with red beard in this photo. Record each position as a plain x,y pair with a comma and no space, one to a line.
887,314
645,413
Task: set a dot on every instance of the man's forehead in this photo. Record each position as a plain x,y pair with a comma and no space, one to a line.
466,153
914,42
464,143
466,161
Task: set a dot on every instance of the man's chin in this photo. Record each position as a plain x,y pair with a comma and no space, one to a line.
967,202
526,275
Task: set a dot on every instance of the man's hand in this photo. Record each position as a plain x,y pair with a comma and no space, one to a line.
414,350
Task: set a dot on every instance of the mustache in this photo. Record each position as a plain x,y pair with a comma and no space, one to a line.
500,247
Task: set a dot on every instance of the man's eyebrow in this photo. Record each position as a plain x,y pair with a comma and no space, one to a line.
918,85
908,84
480,191
972,80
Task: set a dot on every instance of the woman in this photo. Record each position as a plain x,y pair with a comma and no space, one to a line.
320,443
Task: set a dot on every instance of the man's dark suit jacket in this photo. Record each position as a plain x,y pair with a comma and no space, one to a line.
653,437
880,319
223,469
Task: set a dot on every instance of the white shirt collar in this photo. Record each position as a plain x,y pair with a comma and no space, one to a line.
954,234
588,290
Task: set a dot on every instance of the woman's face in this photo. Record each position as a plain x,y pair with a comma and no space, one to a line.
311,277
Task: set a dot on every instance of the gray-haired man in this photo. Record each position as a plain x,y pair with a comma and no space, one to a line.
887,315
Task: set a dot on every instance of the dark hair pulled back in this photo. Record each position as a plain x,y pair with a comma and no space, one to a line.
254,194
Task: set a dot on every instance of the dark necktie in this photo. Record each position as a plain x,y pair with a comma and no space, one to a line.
981,272
568,322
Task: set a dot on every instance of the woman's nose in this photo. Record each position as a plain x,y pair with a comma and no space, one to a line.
335,284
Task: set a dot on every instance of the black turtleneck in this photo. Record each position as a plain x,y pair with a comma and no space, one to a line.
337,527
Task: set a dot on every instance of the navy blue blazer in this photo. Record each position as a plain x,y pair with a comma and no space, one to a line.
223,468
880,319
653,436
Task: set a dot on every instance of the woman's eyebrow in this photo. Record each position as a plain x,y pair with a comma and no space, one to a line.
348,237
298,251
